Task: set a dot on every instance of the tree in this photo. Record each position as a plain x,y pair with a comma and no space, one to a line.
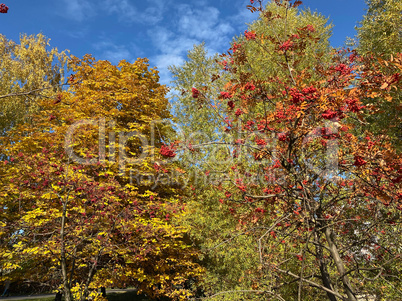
201,120
193,115
380,30
379,35
321,193
73,210
29,70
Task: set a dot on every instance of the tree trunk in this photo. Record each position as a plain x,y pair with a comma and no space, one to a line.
63,260
90,276
339,264
326,280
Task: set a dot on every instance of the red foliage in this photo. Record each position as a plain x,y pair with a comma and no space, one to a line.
58,99
309,93
297,97
260,142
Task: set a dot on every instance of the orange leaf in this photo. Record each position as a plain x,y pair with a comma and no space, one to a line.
384,86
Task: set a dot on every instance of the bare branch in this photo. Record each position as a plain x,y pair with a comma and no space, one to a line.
312,283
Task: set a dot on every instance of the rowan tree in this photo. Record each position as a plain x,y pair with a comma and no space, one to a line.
319,193
200,119
75,201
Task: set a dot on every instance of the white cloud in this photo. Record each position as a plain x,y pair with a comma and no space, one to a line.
79,33
116,55
172,28
189,25
127,13
78,10
169,42
204,24
107,50
163,62
172,49
155,12
243,17
196,22
124,9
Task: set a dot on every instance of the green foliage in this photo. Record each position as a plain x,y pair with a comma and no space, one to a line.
316,52
380,36
380,30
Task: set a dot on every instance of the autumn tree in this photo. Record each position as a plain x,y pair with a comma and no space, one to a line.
317,191
192,115
79,209
380,30
379,37
29,70
200,119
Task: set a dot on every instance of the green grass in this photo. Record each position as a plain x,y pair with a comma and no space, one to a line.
40,299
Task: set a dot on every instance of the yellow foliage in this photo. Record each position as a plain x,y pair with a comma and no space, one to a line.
86,217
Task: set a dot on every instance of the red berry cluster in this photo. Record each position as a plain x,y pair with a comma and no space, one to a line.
195,92
250,35
249,86
310,28
309,93
286,45
329,114
167,151
3,8
231,104
359,161
354,105
225,95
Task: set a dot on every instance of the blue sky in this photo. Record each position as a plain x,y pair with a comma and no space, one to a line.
162,30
